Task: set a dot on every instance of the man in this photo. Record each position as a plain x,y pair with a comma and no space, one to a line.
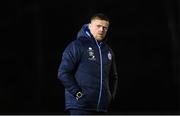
88,70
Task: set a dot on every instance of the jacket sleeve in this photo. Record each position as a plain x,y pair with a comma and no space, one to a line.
67,68
113,77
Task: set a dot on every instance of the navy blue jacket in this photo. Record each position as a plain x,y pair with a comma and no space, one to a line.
88,66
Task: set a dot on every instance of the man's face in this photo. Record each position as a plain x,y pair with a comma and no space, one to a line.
99,28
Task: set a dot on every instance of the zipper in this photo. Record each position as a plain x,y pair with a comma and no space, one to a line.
100,89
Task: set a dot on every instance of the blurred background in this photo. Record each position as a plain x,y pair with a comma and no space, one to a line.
144,34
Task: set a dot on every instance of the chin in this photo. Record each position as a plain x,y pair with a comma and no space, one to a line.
99,39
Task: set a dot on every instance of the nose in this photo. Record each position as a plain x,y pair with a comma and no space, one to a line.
101,29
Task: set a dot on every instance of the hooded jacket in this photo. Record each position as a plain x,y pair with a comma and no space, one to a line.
88,66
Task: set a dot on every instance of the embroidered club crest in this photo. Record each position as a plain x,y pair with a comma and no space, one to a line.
109,56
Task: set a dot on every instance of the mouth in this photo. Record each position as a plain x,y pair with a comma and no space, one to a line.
100,34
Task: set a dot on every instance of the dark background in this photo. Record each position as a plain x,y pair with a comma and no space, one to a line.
144,35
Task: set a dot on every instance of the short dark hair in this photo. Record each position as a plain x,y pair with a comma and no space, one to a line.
100,16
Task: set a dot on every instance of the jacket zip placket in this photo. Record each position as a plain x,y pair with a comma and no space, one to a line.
100,89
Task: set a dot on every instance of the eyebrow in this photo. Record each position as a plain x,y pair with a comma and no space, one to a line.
102,26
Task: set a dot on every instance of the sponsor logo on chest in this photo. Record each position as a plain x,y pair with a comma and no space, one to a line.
91,54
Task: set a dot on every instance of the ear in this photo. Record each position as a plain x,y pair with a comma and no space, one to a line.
89,25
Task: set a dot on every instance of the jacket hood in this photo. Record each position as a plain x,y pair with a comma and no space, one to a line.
84,32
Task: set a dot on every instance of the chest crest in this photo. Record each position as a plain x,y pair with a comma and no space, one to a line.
109,55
